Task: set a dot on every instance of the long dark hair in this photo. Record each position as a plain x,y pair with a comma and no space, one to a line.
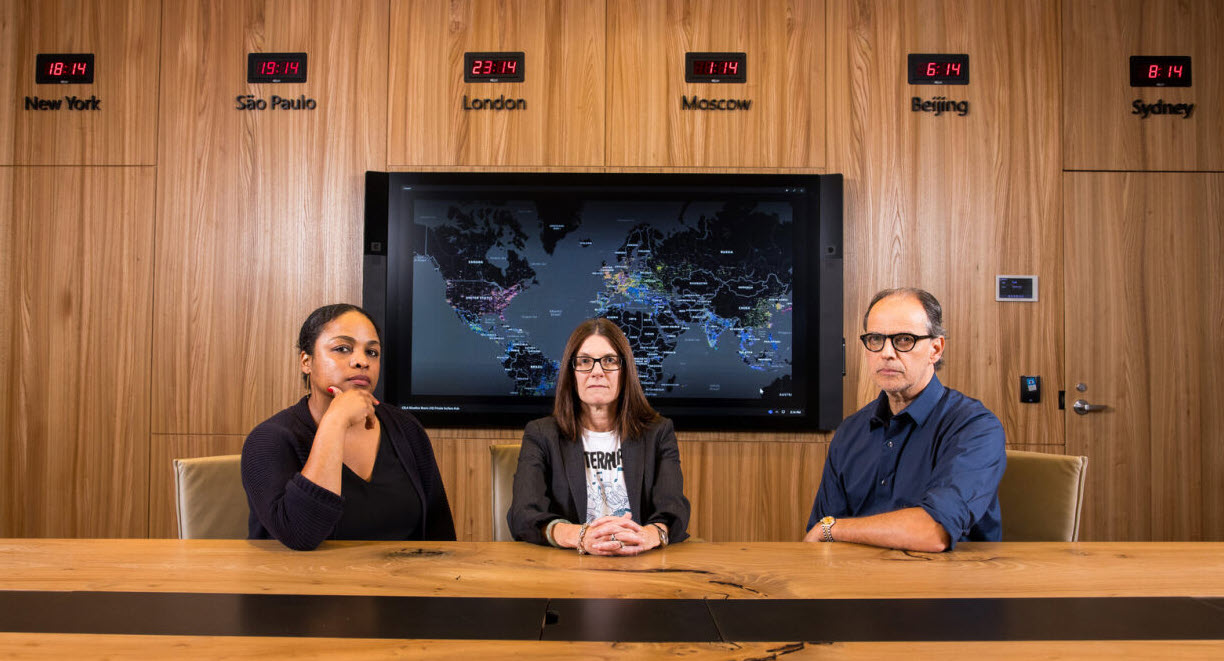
313,327
633,412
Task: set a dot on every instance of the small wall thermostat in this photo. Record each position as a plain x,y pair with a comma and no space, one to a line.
1015,288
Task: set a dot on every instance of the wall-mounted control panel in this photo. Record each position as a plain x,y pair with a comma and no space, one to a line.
1015,288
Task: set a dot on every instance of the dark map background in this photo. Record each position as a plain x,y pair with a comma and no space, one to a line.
702,289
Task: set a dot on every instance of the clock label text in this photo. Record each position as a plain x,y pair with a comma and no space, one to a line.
500,103
1161,108
697,103
251,102
74,103
939,105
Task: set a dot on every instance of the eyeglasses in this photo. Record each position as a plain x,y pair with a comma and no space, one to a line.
609,363
902,342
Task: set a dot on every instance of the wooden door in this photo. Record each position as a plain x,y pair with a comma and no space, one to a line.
1145,309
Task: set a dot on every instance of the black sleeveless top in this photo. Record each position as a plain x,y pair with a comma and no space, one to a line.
386,507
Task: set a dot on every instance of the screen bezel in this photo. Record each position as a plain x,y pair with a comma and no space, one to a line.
817,278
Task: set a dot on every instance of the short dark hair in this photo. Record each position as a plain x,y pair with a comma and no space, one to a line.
930,305
633,412
308,336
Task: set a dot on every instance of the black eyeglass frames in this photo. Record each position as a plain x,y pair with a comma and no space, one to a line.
609,363
902,342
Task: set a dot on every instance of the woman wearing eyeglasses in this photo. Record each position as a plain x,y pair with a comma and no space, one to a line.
602,473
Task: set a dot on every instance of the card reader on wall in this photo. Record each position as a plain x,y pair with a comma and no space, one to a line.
1015,288
1030,389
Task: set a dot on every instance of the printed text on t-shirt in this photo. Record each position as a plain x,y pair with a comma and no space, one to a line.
603,460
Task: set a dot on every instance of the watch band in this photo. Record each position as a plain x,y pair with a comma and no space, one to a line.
826,527
662,535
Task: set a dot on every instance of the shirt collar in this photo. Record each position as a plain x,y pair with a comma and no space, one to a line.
918,410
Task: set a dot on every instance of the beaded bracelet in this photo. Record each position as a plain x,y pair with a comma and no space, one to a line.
582,536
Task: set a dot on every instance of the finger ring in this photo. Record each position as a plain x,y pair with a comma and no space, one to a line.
615,539
622,544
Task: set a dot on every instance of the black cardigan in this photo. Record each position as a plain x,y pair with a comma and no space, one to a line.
550,482
301,514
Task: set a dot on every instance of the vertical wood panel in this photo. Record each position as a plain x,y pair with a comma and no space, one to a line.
163,450
464,464
123,36
1144,309
783,128
562,123
1099,36
946,203
77,258
751,491
259,212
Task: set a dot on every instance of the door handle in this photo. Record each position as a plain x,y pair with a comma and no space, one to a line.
1084,408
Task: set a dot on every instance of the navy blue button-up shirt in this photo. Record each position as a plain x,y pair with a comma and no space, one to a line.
945,453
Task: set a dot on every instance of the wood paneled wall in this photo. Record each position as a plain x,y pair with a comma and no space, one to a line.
947,202
153,309
647,124
562,122
1143,272
1102,131
123,35
77,247
259,211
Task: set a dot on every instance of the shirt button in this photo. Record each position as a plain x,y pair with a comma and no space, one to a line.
883,482
890,444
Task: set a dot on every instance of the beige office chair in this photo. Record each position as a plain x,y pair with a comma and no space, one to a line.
209,498
1041,496
503,461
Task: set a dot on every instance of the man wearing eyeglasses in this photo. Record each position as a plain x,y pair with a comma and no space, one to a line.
918,468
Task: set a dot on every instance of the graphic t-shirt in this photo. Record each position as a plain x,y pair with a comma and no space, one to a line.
605,475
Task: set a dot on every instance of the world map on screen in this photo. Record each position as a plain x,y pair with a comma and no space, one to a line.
702,289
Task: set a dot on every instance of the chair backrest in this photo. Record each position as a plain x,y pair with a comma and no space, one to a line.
209,498
1041,496
503,461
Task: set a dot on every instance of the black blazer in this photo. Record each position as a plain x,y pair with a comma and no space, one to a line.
550,481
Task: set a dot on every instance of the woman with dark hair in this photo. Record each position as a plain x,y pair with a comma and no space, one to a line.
339,464
602,474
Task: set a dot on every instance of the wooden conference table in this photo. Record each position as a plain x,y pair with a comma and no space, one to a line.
172,598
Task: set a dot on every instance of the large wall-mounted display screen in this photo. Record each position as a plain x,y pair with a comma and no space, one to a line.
729,288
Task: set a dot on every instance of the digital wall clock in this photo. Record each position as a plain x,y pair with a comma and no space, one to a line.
715,67
504,67
1160,71
276,67
938,69
61,68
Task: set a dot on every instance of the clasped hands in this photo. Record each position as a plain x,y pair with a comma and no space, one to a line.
615,535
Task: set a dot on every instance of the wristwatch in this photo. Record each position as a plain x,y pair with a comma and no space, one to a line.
826,526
